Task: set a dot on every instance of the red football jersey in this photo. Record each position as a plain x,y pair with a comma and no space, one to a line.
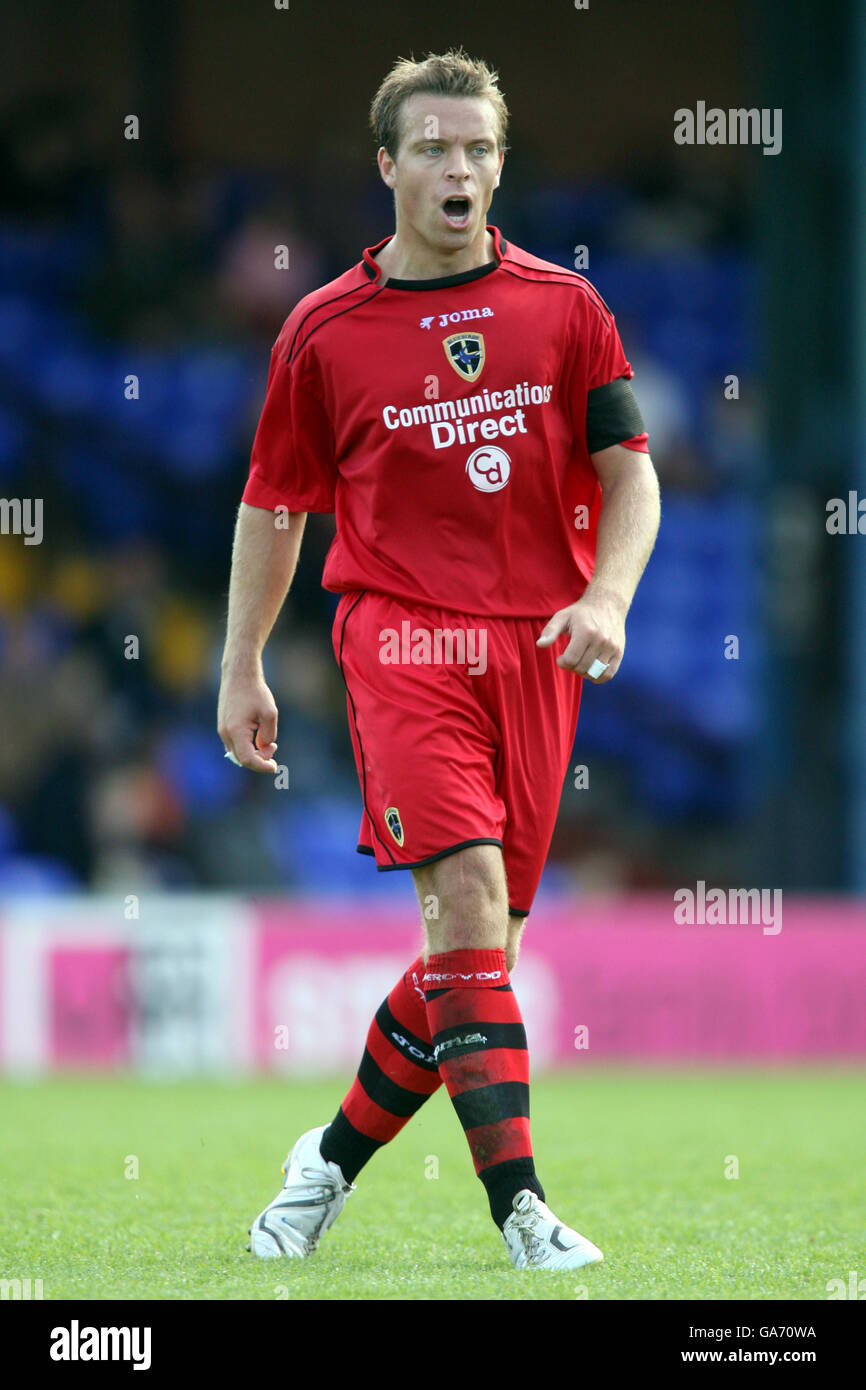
444,422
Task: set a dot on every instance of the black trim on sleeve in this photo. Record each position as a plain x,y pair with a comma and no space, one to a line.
612,415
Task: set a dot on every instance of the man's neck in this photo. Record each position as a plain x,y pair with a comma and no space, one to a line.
421,263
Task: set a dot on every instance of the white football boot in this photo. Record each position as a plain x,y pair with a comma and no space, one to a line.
536,1239
309,1201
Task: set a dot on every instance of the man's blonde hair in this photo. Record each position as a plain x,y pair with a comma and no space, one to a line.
451,74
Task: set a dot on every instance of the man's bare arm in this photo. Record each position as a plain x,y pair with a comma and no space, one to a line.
264,560
628,523
627,529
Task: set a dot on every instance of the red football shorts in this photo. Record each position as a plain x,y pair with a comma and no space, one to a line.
462,729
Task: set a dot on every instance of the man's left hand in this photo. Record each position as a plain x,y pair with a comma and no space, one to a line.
596,628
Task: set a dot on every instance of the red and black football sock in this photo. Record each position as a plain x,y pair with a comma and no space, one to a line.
480,1044
398,1072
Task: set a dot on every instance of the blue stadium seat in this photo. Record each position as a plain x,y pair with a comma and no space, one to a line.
190,758
316,841
36,875
14,437
41,262
9,837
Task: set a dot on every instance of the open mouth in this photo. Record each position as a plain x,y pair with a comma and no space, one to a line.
457,211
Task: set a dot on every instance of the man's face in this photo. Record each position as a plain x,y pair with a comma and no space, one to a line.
447,151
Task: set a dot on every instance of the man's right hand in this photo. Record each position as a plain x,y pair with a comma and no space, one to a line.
246,709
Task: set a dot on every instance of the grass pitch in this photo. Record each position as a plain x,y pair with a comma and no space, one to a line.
635,1159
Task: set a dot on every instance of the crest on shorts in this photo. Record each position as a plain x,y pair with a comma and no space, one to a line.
466,353
394,824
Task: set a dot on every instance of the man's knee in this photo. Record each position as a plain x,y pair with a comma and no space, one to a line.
464,899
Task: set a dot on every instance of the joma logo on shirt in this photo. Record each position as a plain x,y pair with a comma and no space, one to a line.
459,316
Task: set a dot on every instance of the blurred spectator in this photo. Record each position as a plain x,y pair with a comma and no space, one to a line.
144,288
49,157
255,293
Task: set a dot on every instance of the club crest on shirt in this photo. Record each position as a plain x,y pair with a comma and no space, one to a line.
394,824
465,352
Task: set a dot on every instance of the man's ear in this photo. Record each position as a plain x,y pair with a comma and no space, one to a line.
386,166
499,170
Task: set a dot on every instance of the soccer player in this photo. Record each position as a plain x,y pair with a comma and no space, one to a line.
465,410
